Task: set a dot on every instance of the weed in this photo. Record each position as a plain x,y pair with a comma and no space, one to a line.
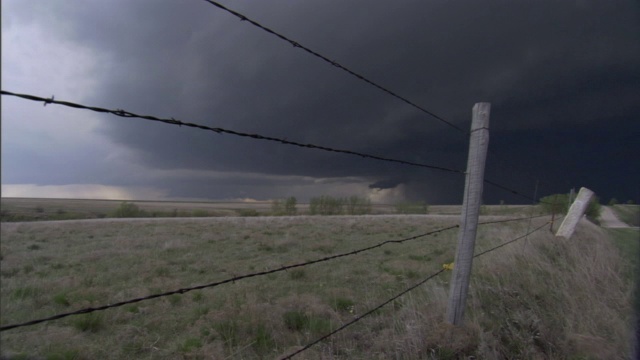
61,299
299,321
63,355
263,341
297,274
197,296
27,268
228,331
342,304
33,247
91,322
134,309
25,292
190,344
162,271
175,299
296,320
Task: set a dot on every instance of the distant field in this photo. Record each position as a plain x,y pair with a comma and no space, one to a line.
27,209
539,298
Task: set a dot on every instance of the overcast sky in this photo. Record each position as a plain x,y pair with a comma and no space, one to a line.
562,77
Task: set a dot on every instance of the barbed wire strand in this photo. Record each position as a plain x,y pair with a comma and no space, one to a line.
332,62
284,268
373,310
172,121
218,283
358,318
351,72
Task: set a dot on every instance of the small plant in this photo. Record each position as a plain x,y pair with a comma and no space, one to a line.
127,210
33,247
63,355
92,322
228,331
134,309
297,274
61,299
25,292
343,305
27,268
263,341
197,296
175,299
190,344
296,320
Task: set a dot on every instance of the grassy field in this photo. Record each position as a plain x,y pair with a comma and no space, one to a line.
31,209
537,298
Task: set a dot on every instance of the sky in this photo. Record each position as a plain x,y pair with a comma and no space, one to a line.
562,77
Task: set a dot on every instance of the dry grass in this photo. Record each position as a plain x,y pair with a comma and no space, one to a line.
549,299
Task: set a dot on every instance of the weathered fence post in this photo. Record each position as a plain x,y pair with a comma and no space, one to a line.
574,214
478,144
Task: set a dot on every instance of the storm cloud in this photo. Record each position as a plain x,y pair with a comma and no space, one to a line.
563,78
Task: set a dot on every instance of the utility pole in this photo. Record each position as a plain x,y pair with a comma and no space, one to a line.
478,144
577,209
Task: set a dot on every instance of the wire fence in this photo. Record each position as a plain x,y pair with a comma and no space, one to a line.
173,121
333,62
218,130
407,290
242,277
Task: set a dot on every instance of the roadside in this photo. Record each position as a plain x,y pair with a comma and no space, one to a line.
608,219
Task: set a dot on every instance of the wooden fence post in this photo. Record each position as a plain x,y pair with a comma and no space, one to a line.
478,144
574,214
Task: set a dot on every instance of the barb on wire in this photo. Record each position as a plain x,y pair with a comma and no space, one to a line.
371,311
218,283
172,121
332,62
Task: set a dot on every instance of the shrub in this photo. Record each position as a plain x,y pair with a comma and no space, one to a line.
284,207
326,205
412,208
356,205
127,210
559,204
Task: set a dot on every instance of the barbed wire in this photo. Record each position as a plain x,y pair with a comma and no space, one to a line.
172,121
218,283
358,318
359,76
332,62
373,310
241,277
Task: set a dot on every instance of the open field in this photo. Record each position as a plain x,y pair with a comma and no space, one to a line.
31,209
538,298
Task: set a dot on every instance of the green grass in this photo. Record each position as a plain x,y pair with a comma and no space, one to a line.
266,317
629,214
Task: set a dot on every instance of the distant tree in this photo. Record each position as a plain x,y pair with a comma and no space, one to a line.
126,210
630,202
290,206
613,201
325,205
284,207
559,204
356,205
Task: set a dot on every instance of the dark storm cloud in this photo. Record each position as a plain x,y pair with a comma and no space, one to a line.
554,71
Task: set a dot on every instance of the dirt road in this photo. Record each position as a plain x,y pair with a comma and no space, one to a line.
609,219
